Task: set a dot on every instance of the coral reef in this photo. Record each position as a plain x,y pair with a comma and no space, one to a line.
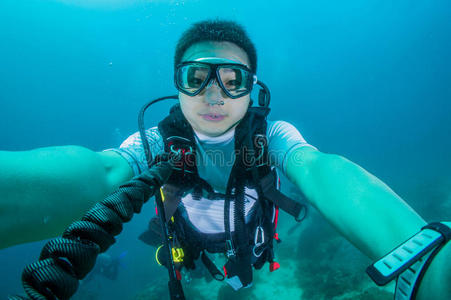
316,263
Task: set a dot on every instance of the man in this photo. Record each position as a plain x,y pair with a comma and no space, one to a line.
45,189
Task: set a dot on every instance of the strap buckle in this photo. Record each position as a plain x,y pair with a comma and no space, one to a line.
177,255
230,251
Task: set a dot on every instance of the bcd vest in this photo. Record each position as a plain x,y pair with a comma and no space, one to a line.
251,243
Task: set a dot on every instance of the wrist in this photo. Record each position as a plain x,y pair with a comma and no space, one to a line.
436,279
410,260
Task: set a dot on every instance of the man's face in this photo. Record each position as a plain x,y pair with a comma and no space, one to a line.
205,111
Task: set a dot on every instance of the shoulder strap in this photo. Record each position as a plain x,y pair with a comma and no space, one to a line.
261,171
253,123
176,125
178,139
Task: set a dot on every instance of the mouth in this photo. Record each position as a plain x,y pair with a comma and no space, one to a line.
212,117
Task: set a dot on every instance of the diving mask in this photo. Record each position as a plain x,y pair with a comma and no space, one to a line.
236,80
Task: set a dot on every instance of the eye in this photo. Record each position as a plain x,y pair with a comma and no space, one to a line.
233,84
195,82
195,76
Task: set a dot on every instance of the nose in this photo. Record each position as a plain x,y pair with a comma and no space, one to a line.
213,93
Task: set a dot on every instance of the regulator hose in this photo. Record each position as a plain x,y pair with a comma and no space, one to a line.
67,259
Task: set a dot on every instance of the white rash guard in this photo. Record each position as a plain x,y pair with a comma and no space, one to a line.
215,158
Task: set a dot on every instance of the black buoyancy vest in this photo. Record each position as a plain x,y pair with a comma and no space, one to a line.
251,169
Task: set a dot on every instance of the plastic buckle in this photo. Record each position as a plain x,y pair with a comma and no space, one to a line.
177,255
190,151
230,252
177,153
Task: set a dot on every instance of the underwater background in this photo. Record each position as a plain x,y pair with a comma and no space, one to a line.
369,80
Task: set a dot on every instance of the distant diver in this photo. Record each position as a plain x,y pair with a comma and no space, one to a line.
106,266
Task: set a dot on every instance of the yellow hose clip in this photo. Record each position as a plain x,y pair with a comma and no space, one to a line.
156,255
178,254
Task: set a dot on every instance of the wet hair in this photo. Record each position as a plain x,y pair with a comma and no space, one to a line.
216,31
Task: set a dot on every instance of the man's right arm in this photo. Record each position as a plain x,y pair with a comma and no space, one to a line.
43,190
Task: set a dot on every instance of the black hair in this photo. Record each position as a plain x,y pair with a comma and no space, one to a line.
216,31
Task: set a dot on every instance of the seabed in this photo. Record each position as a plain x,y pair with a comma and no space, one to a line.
316,263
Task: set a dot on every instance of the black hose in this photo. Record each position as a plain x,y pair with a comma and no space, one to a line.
142,128
67,259
174,285
264,95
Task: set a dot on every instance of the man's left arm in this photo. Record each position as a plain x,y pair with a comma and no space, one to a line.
364,209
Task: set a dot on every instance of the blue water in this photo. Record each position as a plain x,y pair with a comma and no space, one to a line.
370,80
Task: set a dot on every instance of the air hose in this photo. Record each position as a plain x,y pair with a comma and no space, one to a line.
67,259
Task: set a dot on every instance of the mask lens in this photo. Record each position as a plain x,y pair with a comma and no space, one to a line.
237,81
191,78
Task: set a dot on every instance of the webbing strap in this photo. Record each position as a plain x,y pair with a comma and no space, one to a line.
211,267
172,199
272,194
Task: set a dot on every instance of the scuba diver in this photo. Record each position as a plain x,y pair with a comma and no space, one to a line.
222,196
106,266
